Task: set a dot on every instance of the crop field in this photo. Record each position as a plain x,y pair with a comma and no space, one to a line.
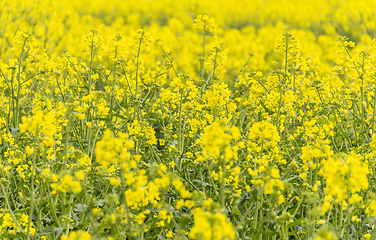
188,120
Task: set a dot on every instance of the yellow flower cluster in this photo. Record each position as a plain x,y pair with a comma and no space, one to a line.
344,176
14,225
263,134
211,226
112,150
205,24
41,123
66,184
79,235
213,140
201,120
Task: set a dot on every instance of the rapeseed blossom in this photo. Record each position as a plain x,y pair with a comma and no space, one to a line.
200,120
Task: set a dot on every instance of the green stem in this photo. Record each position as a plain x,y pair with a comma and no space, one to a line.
222,189
137,73
8,205
203,55
180,137
32,186
91,61
286,52
16,112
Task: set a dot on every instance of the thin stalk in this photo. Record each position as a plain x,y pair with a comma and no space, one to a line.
91,61
32,188
16,111
169,59
137,73
8,205
222,189
286,52
212,75
374,111
180,137
203,55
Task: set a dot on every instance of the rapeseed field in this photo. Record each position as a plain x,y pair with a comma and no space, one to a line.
187,120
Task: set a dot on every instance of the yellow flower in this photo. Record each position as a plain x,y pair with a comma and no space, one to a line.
204,23
367,236
29,150
160,223
80,175
115,181
96,211
172,164
281,199
275,173
170,234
